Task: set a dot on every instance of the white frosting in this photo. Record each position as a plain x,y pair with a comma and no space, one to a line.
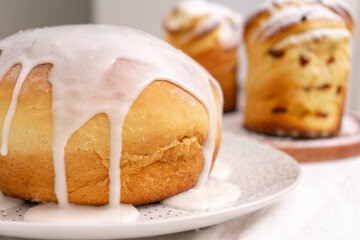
7,202
101,69
293,14
334,33
339,6
216,193
230,23
220,171
52,213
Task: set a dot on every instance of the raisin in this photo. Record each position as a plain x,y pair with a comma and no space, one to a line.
330,60
339,90
316,39
276,53
303,61
323,87
307,88
270,96
279,110
321,114
303,18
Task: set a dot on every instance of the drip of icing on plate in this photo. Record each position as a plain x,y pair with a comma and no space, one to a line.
220,171
86,80
215,193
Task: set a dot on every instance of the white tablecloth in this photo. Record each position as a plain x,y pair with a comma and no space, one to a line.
325,205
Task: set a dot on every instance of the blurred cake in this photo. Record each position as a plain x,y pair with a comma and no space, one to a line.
298,65
210,33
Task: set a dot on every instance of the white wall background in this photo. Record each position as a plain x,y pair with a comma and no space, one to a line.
18,15
148,15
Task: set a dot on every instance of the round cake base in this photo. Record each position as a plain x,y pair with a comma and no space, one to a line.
345,144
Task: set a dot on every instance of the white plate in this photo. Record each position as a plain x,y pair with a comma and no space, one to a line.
262,173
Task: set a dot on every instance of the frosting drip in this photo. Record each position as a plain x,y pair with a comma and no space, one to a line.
101,69
293,14
216,193
335,33
285,13
339,6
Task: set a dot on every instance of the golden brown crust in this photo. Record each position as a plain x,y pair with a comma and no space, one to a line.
221,63
156,162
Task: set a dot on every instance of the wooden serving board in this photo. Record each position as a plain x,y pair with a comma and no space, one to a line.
345,144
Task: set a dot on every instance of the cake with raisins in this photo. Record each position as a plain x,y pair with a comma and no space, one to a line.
298,55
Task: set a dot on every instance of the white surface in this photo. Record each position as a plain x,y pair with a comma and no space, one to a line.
16,15
324,206
266,175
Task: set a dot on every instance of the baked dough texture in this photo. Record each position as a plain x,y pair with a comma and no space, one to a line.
203,42
162,135
298,68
